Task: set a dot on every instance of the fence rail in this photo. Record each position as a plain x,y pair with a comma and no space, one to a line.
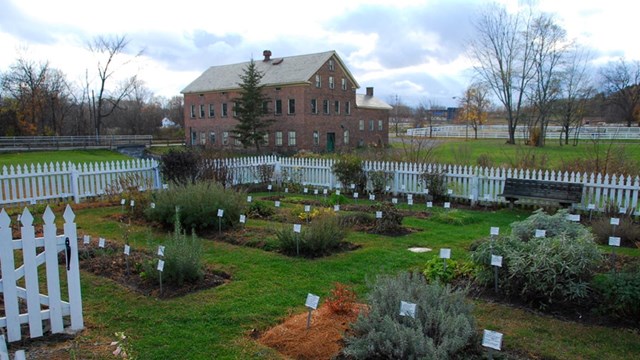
553,132
466,182
29,184
16,143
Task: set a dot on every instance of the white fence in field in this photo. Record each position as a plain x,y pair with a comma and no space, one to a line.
29,184
466,182
43,311
553,132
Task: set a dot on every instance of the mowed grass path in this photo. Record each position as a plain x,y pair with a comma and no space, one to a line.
266,287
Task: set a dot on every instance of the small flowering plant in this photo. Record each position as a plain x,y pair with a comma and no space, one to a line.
123,348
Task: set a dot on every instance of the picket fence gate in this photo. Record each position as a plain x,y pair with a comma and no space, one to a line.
43,311
29,184
472,183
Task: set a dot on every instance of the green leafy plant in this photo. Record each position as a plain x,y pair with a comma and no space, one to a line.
554,225
260,209
182,259
379,180
443,326
436,182
321,237
391,221
198,204
348,169
619,293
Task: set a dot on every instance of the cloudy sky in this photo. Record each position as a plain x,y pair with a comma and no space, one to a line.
412,49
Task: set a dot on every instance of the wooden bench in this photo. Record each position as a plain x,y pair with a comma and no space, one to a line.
562,192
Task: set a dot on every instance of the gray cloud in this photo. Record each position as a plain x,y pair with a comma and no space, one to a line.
22,26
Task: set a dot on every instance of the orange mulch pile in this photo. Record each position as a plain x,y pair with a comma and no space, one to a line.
322,341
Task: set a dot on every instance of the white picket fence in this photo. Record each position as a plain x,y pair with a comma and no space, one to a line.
467,182
43,311
29,184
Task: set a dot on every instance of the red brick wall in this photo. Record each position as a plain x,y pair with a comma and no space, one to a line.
303,122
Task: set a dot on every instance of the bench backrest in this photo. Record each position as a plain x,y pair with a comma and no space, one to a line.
544,189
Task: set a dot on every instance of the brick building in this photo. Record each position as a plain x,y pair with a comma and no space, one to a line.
312,99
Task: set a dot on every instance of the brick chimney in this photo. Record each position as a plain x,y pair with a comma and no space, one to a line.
370,91
267,55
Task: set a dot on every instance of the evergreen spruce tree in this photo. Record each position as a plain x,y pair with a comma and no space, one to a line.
250,112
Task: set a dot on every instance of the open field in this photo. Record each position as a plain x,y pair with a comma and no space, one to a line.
74,156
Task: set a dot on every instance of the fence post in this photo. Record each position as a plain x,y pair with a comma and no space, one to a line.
73,274
75,190
474,187
277,171
157,184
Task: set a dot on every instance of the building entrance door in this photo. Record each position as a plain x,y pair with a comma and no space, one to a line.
331,142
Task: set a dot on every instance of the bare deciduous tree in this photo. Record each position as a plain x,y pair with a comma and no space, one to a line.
621,82
110,49
576,90
474,107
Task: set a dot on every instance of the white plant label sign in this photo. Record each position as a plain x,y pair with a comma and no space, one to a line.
123,201
249,198
243,219
378,214
312,301
447,205
132,203
614,241
277,203
591,207
269,187
161,250
297,228
496,260
450,192
372,197
315,191
353,186
305,190
402,187
540,233
445,253
220,213
623,210
307,208
101,242
355,195
394,200
86,239
495,231
615,221
286,190
127,249
387,188
160,265
410,201
492,339
574,217
409,196
336,207
338,192
407,309
153,205
426,191
324,192
429,204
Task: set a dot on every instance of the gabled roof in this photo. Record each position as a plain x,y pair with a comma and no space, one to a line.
371,102
277,71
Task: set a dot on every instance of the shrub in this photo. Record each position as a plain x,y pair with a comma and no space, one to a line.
453,217
391,221
348,170
358,218
628,231
379,180
436,182
553,224
182,259
541,270
321,237
334,199
619,293
442,328
435,271
341,300
484,160
180,166
260,209
131,187
198,204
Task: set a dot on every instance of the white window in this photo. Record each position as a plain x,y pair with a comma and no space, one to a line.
292,138
344,84
347,107
201,110
212,111
314,106
361,125
346,137
318,81
224,110
225,138
278,107
235,109
212,137
380,125
331,83
371,125
316,137
325,107
203,138
331,65
337,106
278,138
193,111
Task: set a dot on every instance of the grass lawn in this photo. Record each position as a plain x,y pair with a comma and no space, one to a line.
74,156
266,287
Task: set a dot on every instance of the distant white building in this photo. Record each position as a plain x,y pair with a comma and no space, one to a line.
167,123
